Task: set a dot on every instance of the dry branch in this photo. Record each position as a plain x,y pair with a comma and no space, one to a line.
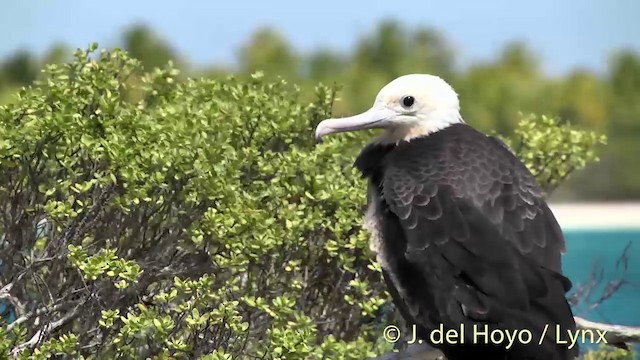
44,331
616,335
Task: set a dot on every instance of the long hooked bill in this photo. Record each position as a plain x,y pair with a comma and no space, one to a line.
376,117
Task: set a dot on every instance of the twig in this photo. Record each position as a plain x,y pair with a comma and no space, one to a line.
6,295
44,331
615,335
29,315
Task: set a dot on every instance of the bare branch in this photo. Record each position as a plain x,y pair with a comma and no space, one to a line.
44,331
616,335
28,316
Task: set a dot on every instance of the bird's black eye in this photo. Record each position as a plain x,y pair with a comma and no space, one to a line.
408,101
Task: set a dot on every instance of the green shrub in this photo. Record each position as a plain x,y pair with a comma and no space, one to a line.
183,219
605,352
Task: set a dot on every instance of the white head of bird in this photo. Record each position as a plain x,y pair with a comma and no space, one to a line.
408,107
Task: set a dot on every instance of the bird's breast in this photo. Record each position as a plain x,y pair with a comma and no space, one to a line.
372,223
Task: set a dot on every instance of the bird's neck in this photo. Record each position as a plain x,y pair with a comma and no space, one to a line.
436,121
370,161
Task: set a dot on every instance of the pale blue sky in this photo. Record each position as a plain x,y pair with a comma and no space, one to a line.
564,34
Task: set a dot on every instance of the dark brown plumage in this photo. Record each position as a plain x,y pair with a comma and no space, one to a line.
467,238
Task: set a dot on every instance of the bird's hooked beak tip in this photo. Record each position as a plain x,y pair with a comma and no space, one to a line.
322,130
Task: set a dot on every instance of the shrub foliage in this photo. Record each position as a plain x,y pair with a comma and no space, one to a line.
144,216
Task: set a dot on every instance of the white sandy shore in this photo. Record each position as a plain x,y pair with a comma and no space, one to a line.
609,215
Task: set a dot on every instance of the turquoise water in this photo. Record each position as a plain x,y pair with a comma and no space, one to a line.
586,247
604,247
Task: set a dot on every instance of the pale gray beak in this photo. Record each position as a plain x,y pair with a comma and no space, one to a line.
374,118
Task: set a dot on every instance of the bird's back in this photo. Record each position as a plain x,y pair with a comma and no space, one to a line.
467,238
